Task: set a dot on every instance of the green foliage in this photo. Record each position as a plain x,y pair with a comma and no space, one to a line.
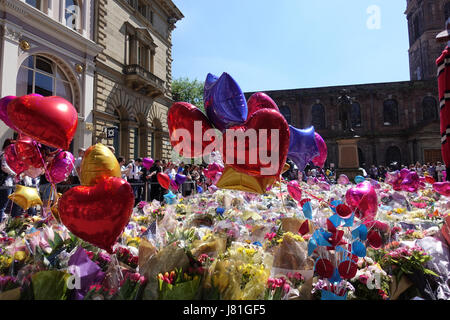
185,90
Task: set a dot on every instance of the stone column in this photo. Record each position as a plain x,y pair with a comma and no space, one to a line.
10,37
348,158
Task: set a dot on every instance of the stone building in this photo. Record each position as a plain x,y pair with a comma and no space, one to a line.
397,121
133,76
47,47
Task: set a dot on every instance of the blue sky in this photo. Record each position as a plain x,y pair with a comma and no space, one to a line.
287,44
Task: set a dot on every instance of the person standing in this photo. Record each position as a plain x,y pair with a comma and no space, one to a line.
155,188
439,171
134,178
7,185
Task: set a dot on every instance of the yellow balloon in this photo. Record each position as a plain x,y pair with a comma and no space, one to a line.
25,197
234,180
98,162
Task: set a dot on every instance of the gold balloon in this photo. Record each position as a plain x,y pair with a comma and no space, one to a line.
234,180
98,162
25,197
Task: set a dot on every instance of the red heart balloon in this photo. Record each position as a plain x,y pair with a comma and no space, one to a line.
98,214
244,154
13,161
183,120
258,101
49,120
163,179
27,151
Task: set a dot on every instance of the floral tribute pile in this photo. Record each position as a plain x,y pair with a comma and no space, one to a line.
236,245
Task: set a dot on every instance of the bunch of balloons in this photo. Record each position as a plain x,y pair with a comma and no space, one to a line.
251,132
99,209
45,127
336,243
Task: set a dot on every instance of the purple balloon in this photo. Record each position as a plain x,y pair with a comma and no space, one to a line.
180,178
174,185
411,182
147,163
4,111
225,103
302,146
60,167
404,172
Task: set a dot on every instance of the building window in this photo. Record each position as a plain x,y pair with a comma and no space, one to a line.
40,75
429,108
142,8
318,116
286,112
35,3
72,14
136,143
447,10
390,112
356,115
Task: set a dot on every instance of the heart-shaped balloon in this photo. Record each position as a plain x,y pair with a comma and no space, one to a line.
320,159
4,111
60,167
260,101
302,146
265,152
174,185
212,170
442,188
410,182
49,120
169,197
98,163
28,152
163,179
363,199
147,163
180,178
224,101
98,214
13,160
190,130
235,180
294,190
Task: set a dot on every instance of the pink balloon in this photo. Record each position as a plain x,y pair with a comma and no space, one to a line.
404,173
363,199
212,170
147,163
324,186
60,167
4,111
294,190
217,178
322,157
411,182
33,172
442,188
343,179
13,161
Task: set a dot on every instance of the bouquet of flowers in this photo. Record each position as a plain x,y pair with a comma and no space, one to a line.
325,290
125,256
179,285
371,281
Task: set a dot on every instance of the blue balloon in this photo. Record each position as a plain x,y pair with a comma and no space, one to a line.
169,197
180,169
199,189
307,210
180,178
358,249
302,146
359,179
225,104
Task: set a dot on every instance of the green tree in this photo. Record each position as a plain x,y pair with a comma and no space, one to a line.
185,90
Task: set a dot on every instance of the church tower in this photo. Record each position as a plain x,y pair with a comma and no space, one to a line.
426,18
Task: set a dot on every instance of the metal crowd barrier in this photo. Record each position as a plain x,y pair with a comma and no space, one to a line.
187,188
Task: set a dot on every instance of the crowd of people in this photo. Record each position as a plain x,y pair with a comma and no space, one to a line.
146,186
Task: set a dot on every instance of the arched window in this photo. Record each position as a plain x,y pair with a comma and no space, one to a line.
156,139
390,112
393,154
286,112
318,116
72,14
429,108
447,10
356,115
40,75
